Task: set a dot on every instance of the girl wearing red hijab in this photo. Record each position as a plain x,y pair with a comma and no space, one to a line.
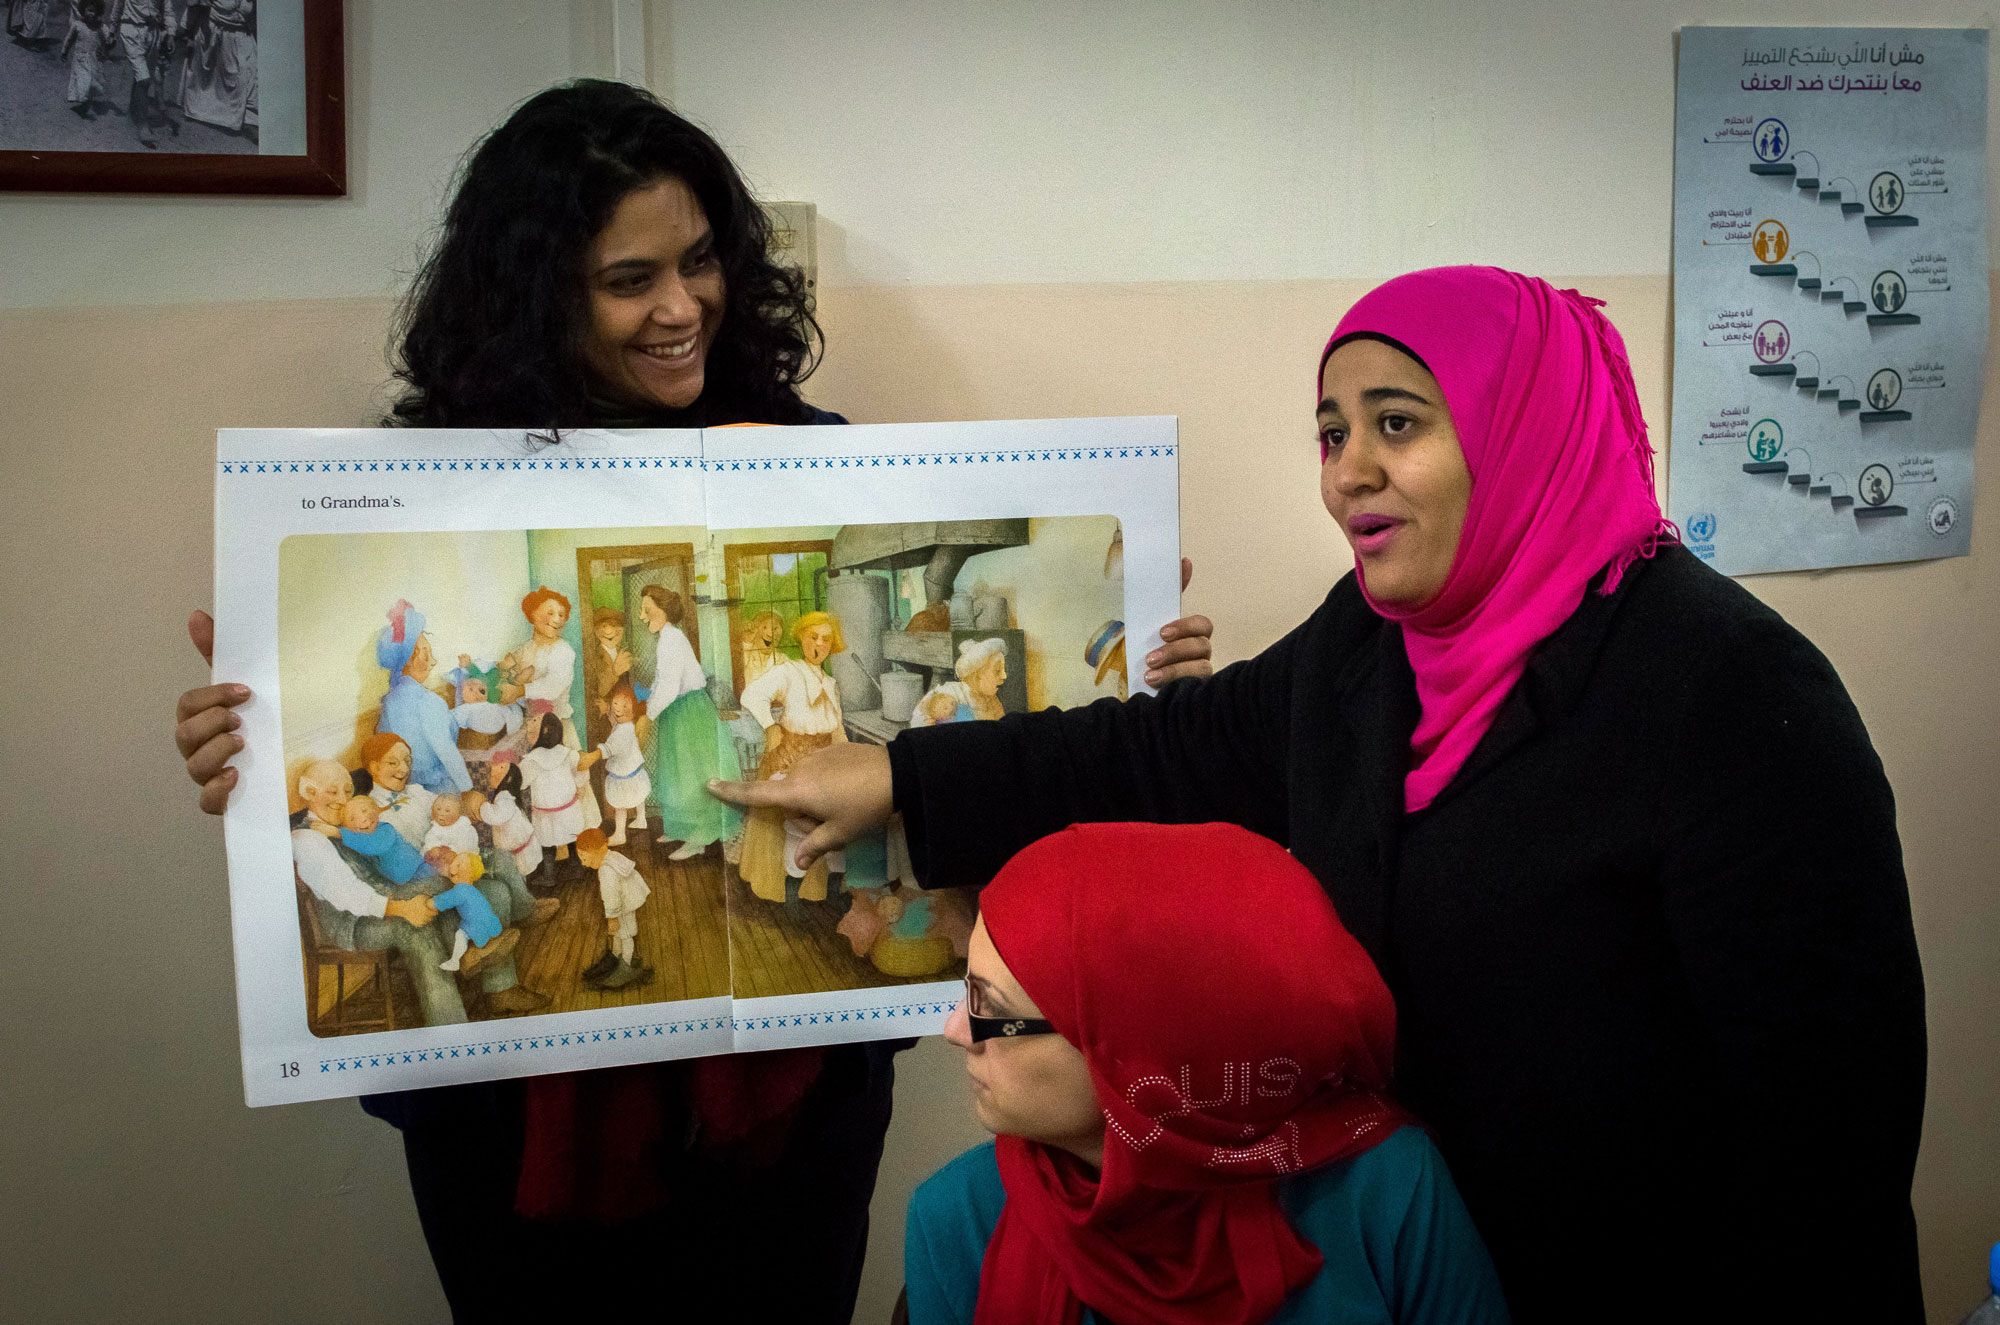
1612,831
1190,1106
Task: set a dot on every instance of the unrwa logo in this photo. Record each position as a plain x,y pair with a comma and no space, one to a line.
1701,526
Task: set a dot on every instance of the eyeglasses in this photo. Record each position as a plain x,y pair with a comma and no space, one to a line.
1006,1028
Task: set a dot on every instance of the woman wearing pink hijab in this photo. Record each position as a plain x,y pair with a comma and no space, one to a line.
1612,831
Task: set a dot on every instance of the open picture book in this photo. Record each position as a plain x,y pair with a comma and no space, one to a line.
494,672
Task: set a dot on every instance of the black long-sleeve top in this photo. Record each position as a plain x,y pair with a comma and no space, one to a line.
1656,979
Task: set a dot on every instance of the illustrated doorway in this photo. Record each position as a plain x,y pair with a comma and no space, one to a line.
617,577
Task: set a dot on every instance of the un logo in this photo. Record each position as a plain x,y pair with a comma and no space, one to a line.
1701,526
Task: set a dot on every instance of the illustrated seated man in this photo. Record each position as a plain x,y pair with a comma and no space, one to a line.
360,905
413,811
357,908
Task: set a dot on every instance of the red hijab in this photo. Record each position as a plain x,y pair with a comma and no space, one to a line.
1235,1033
1562,484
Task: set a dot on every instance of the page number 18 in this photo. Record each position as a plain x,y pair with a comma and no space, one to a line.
288,1069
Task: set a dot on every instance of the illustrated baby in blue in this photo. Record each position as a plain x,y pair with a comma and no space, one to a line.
362,830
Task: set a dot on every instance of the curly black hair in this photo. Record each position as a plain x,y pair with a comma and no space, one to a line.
494,328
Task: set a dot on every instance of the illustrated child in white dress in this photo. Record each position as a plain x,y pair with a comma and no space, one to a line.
512,829
449,826
760,645
626,784
624,891
551,771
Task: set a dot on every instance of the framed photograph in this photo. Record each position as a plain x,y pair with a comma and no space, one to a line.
173,96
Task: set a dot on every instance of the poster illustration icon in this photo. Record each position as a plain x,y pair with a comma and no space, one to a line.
1942,517
1772,140
1886,192
1766,440
1701,526
1889,292
1772,340
1877,484
1771,241
1885,389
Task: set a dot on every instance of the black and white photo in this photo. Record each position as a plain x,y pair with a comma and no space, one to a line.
193,80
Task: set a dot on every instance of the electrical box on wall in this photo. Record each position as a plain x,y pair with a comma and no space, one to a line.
794,238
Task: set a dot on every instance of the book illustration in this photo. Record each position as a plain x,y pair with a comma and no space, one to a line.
529,831
493,674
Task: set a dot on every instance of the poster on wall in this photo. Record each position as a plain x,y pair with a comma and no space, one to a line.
1830,294
493,674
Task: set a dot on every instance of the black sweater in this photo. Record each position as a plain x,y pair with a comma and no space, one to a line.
1656,979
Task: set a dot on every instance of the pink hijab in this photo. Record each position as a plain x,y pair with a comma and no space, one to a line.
1562,484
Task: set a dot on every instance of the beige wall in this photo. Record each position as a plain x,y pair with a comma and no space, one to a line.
137,1182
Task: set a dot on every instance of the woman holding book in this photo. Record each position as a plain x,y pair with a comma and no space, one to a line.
603,265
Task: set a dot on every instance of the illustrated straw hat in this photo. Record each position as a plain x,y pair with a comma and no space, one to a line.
1106,649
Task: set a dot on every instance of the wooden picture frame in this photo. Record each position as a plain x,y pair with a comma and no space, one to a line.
320,172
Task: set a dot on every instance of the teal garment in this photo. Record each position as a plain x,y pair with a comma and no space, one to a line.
867,863
1399,1246
690,746
475,913
915,922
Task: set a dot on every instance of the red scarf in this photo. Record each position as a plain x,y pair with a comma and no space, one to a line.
1235,1033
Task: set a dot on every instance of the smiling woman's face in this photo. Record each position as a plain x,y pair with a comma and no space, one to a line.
549,618
392,770
1394,478
656,298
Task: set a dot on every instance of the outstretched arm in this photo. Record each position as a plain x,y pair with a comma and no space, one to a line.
973,793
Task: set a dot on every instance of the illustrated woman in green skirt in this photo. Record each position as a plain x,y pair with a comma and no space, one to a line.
690,744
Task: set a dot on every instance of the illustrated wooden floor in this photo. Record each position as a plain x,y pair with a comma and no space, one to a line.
793,948
681,936
697,909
